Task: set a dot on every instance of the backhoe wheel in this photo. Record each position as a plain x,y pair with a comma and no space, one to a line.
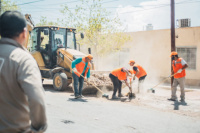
60,81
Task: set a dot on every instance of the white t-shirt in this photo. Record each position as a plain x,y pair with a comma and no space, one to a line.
183,62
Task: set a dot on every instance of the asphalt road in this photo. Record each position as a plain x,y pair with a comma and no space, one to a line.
98,115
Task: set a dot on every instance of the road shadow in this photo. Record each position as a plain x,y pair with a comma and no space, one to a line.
110,99
88,92
77,100
177,104
49,87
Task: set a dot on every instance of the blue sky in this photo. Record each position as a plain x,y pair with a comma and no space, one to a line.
134,14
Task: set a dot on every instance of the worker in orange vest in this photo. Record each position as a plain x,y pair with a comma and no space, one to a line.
179,65
80,66
139,72
117,76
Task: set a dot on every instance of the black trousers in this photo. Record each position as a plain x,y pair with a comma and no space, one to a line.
116,83
142,78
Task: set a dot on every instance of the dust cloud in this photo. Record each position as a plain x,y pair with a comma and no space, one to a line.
146,50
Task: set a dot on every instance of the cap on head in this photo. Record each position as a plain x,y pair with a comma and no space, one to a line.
89,56
131,61
173,53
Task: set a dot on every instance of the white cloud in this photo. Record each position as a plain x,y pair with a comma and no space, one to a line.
158,14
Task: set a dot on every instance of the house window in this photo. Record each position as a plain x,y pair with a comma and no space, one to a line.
189,55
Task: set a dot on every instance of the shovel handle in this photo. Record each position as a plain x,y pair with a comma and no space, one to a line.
90,83
164,80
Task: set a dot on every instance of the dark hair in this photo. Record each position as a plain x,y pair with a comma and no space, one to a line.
176,56
12,23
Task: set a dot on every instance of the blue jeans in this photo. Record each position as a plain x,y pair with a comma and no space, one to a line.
77,81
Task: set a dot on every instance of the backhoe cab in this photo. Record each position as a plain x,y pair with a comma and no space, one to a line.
54,49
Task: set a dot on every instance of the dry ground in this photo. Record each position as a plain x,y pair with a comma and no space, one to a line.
158,101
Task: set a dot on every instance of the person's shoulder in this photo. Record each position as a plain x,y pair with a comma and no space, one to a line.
20,55
135,67
181,59
79,58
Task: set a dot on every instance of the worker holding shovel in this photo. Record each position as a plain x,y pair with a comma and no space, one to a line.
80,69
139,72
179,65
117,76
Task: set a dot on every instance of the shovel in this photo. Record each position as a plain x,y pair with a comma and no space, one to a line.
153,90
130,94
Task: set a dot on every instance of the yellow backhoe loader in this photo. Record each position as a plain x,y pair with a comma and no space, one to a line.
54,48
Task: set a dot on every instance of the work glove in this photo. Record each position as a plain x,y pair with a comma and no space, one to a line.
180,70
88,81
74,70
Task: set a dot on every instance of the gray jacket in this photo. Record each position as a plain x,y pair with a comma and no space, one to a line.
22,107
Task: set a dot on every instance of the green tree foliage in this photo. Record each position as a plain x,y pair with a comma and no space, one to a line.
102,30
8,5
43,21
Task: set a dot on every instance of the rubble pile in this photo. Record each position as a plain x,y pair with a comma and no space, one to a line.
100,79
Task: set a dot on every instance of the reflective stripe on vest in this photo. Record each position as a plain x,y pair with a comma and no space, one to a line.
119,74
141,73
178,66
80,67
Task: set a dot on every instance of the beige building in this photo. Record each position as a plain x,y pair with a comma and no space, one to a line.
152,50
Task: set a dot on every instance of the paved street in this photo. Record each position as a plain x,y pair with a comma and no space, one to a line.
99,115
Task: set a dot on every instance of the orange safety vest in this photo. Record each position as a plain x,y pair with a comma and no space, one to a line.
141,73
80,67
178,66
119,74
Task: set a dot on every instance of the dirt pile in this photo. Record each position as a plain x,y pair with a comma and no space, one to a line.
100,79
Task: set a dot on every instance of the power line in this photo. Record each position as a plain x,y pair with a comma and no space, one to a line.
29,2
108,1
62,3
183,2
24,3
160,7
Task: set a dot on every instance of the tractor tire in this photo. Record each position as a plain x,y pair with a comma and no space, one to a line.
60,81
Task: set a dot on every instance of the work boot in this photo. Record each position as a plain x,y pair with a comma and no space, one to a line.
115,97
81,96
78,96
120,95
171,99
182,100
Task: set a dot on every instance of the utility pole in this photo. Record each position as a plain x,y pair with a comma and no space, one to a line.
172,32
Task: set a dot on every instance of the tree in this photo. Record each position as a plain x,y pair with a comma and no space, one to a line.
8,5
102,32
43,21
